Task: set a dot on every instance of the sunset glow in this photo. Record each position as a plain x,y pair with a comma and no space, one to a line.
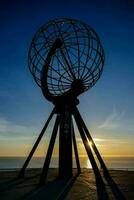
107,108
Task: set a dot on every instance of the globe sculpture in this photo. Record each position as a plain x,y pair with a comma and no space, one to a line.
66,59
64,54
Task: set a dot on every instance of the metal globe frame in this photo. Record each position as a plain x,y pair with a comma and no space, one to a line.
66,59
63,51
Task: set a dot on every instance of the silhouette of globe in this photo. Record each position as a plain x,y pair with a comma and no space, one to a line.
83,58
66,59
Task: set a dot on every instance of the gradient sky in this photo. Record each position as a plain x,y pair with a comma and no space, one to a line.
108,108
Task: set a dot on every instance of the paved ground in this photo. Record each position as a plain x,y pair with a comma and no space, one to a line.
81,187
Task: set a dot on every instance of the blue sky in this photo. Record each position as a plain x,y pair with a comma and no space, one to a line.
108,108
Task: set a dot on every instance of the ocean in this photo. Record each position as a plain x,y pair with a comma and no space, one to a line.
11,163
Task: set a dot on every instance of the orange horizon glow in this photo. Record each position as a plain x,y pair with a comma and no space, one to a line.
106,148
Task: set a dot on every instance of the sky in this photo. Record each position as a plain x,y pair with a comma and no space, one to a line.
108,108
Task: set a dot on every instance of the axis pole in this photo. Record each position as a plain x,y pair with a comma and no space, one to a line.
65,144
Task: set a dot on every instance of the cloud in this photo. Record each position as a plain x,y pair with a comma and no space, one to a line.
113,120
8,128
102,141
112,141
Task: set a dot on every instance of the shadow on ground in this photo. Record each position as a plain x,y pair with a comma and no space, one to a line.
80,187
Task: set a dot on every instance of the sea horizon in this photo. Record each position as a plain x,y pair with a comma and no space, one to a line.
112,162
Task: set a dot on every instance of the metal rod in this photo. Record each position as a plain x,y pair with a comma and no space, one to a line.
102,194
117,193
69,68
93,144
49,152
76,150
86,144
22,171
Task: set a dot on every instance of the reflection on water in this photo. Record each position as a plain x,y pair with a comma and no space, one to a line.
88,164
85,163
112,162
37,162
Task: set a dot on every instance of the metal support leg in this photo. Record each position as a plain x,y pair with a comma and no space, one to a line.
76,151
106,173
87,147
99,181
22,171
49,152
109,179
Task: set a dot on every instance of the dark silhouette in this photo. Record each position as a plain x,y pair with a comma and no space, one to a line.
66,59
